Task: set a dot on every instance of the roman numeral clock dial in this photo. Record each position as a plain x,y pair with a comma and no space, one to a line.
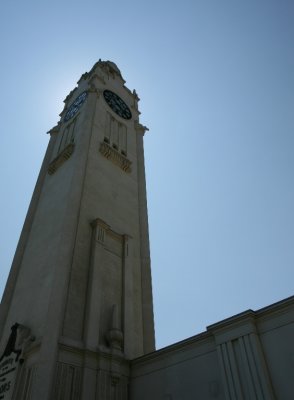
76,105
117,104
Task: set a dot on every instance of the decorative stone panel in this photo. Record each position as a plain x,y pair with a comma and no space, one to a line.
117,158
61,158
242,364
108,389
68,382
23,389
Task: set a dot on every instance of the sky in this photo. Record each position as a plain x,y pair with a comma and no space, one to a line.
216,83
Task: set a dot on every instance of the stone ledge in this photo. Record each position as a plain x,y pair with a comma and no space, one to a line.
61,158
116,157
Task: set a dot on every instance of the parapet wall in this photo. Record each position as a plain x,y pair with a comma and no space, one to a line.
248,356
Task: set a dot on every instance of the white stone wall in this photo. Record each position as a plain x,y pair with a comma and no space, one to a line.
247,357
84,287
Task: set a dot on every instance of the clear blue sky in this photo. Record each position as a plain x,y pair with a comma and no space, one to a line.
216,83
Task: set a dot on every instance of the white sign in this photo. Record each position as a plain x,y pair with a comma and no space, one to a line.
9,363
8,371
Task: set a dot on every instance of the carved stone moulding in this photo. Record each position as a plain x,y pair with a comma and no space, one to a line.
61,158
115,156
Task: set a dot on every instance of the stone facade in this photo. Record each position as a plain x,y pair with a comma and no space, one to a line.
76,318
247,357
80,279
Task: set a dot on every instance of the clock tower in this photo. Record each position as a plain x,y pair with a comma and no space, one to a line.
78,301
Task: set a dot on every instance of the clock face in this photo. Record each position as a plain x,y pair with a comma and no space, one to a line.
117,104
74,108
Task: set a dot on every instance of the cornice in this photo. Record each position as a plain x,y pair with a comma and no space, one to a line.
78,348
55,130
182,347
140,128
61,158
116,157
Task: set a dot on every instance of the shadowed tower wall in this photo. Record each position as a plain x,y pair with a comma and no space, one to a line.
80,279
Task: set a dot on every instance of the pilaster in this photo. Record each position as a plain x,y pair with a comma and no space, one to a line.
243,368
146,282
